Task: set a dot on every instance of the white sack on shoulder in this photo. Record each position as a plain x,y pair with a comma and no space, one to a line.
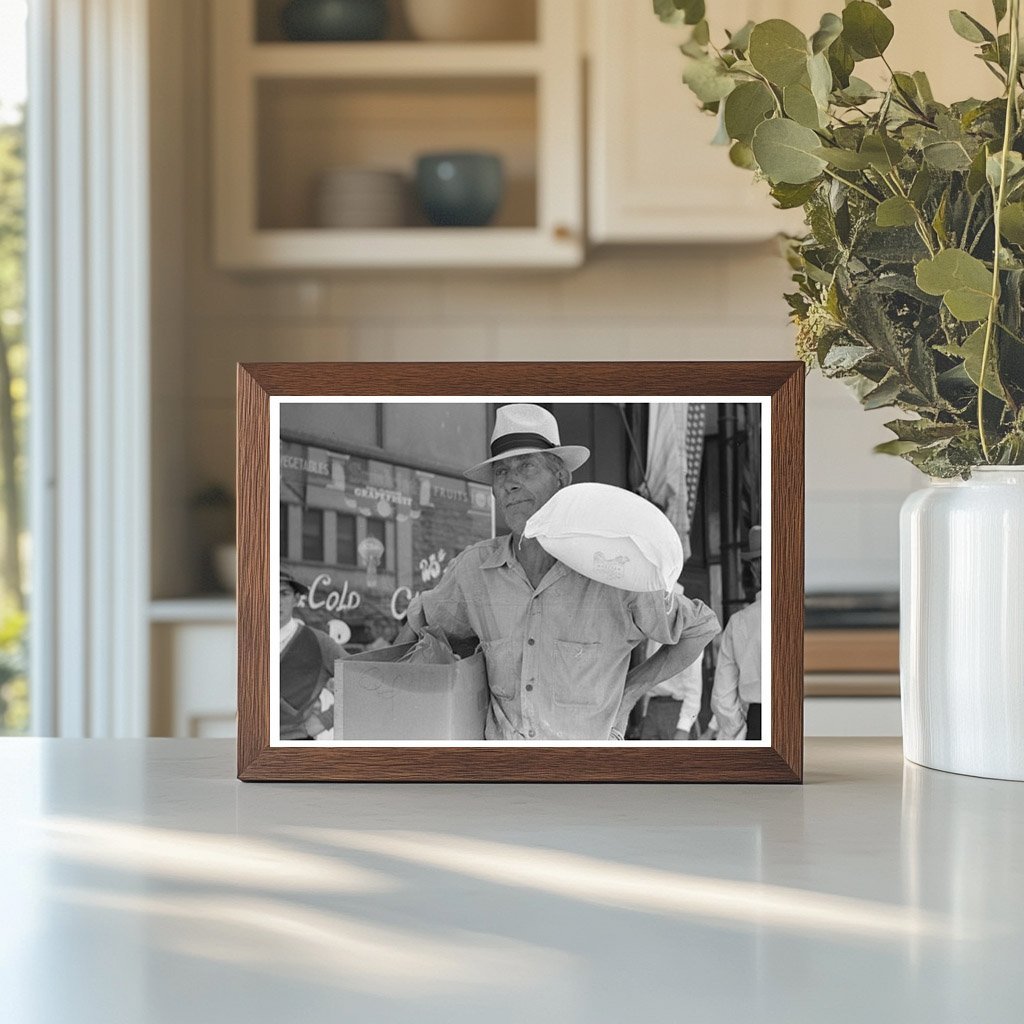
610,535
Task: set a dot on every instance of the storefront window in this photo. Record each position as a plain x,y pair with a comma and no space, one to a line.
375,533
346,539
312,535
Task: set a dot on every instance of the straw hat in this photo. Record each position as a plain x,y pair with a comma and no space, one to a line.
525,430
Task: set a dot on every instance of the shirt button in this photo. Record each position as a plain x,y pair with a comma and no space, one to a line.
531,641
532,733
529,687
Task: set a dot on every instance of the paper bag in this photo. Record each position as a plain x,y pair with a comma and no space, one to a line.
379,697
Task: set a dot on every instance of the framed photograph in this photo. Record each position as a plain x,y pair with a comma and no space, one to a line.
515,572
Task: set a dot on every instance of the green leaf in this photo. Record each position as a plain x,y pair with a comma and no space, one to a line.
963,281
906,88
745,108
820,76
895,447
707,80
778,50
742,155
800,105
830,29
841,60
701,33
923,431
946,156
968,28
924,88
885,394
1012,223
896,212
971,352
785,152
789,197
1014,169
976,175
939,220
999,6
844,159
921,186
679,12
858,91
866,29
739,41
883,153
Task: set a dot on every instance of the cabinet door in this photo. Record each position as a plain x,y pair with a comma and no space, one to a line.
654,175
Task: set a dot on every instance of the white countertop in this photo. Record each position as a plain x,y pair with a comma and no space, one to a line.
144,885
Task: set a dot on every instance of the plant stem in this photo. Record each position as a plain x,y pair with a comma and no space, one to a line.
993,309
855,187
922,225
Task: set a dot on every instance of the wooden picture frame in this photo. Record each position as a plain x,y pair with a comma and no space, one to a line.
780,384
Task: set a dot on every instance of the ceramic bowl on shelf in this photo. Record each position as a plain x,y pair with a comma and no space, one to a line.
334,21
361,198
460,189
469,20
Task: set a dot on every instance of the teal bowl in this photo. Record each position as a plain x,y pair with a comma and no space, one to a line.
462,190
334,21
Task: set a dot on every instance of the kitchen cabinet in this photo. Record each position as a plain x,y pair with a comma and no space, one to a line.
193,674
653,175
286,113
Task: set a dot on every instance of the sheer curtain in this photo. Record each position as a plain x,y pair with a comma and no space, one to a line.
88,300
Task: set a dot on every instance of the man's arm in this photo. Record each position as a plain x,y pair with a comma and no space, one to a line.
444,607
700,627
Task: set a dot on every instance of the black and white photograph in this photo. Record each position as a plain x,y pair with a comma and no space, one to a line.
465,572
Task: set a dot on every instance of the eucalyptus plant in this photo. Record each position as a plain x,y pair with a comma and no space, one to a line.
910,278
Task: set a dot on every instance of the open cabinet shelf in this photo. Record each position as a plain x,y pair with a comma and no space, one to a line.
287,114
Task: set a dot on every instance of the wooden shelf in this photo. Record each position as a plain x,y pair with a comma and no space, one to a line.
286,112
402,247
393,60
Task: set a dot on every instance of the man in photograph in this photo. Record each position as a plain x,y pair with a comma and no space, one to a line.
556,644
307,671
736,694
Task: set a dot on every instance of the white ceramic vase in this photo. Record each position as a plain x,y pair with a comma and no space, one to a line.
962,624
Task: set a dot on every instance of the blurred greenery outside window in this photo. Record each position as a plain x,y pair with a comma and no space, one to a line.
14,693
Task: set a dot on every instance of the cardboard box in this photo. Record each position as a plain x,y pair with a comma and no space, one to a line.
377,697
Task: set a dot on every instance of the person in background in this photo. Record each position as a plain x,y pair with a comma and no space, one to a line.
736,694
670,710
307,671
556,644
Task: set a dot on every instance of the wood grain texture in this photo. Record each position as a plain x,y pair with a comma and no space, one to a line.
782,762
852,650
252,485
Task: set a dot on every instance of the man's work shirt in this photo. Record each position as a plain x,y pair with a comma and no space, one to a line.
738,672
557,656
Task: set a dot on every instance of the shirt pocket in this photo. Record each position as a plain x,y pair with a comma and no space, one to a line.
577,666
502,678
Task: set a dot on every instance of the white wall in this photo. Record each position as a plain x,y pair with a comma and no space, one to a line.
720,302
